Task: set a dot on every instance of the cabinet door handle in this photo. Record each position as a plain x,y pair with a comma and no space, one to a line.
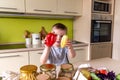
39,53
8,8
79,49
70,12
42,10
9,56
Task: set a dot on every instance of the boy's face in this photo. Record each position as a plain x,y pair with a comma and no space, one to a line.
59,33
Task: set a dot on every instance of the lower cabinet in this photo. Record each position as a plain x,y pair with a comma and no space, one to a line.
101,50
13,61
81,54
34,57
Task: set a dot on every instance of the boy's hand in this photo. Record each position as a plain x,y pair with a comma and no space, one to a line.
64,41
69,44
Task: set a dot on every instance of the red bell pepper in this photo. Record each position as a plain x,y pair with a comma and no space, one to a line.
50,39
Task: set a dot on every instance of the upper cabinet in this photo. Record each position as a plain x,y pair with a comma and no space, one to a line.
70,7
12,6
41,6
59,7
54,7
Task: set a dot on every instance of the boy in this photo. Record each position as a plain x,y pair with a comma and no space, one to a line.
55,54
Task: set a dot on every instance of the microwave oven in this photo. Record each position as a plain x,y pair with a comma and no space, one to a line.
99,6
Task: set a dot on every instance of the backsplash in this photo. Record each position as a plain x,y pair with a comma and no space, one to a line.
12,29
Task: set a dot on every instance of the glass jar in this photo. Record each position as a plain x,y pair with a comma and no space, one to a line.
43,77
63,78
66,70
49,69
28,72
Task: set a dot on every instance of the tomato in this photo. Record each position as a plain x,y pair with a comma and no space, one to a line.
103,71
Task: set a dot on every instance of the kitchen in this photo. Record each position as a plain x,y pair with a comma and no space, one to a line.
81,22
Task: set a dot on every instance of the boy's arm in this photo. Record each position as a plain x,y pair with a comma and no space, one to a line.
71,51
45,55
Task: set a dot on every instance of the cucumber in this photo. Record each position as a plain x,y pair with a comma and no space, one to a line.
94,76
118,77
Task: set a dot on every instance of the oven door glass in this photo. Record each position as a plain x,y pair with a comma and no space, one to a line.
105,32
100,31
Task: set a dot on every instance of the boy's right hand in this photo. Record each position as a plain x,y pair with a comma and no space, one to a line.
64,41
50,39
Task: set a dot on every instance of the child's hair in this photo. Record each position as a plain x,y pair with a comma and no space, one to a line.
60,26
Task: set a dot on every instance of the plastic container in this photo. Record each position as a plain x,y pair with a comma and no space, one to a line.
36,42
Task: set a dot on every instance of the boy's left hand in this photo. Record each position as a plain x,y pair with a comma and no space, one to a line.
69,44
65,41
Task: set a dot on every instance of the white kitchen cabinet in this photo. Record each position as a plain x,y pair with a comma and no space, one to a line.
116,32
41,6
81,54
34,57
13,61
54,7
59,7
70,7
101,50
12,6
82,25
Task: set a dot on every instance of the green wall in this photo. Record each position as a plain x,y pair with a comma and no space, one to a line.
12,29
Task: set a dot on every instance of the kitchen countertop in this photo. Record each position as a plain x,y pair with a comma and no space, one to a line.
20,47
109,63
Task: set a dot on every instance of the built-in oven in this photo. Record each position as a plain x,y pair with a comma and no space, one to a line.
101,29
